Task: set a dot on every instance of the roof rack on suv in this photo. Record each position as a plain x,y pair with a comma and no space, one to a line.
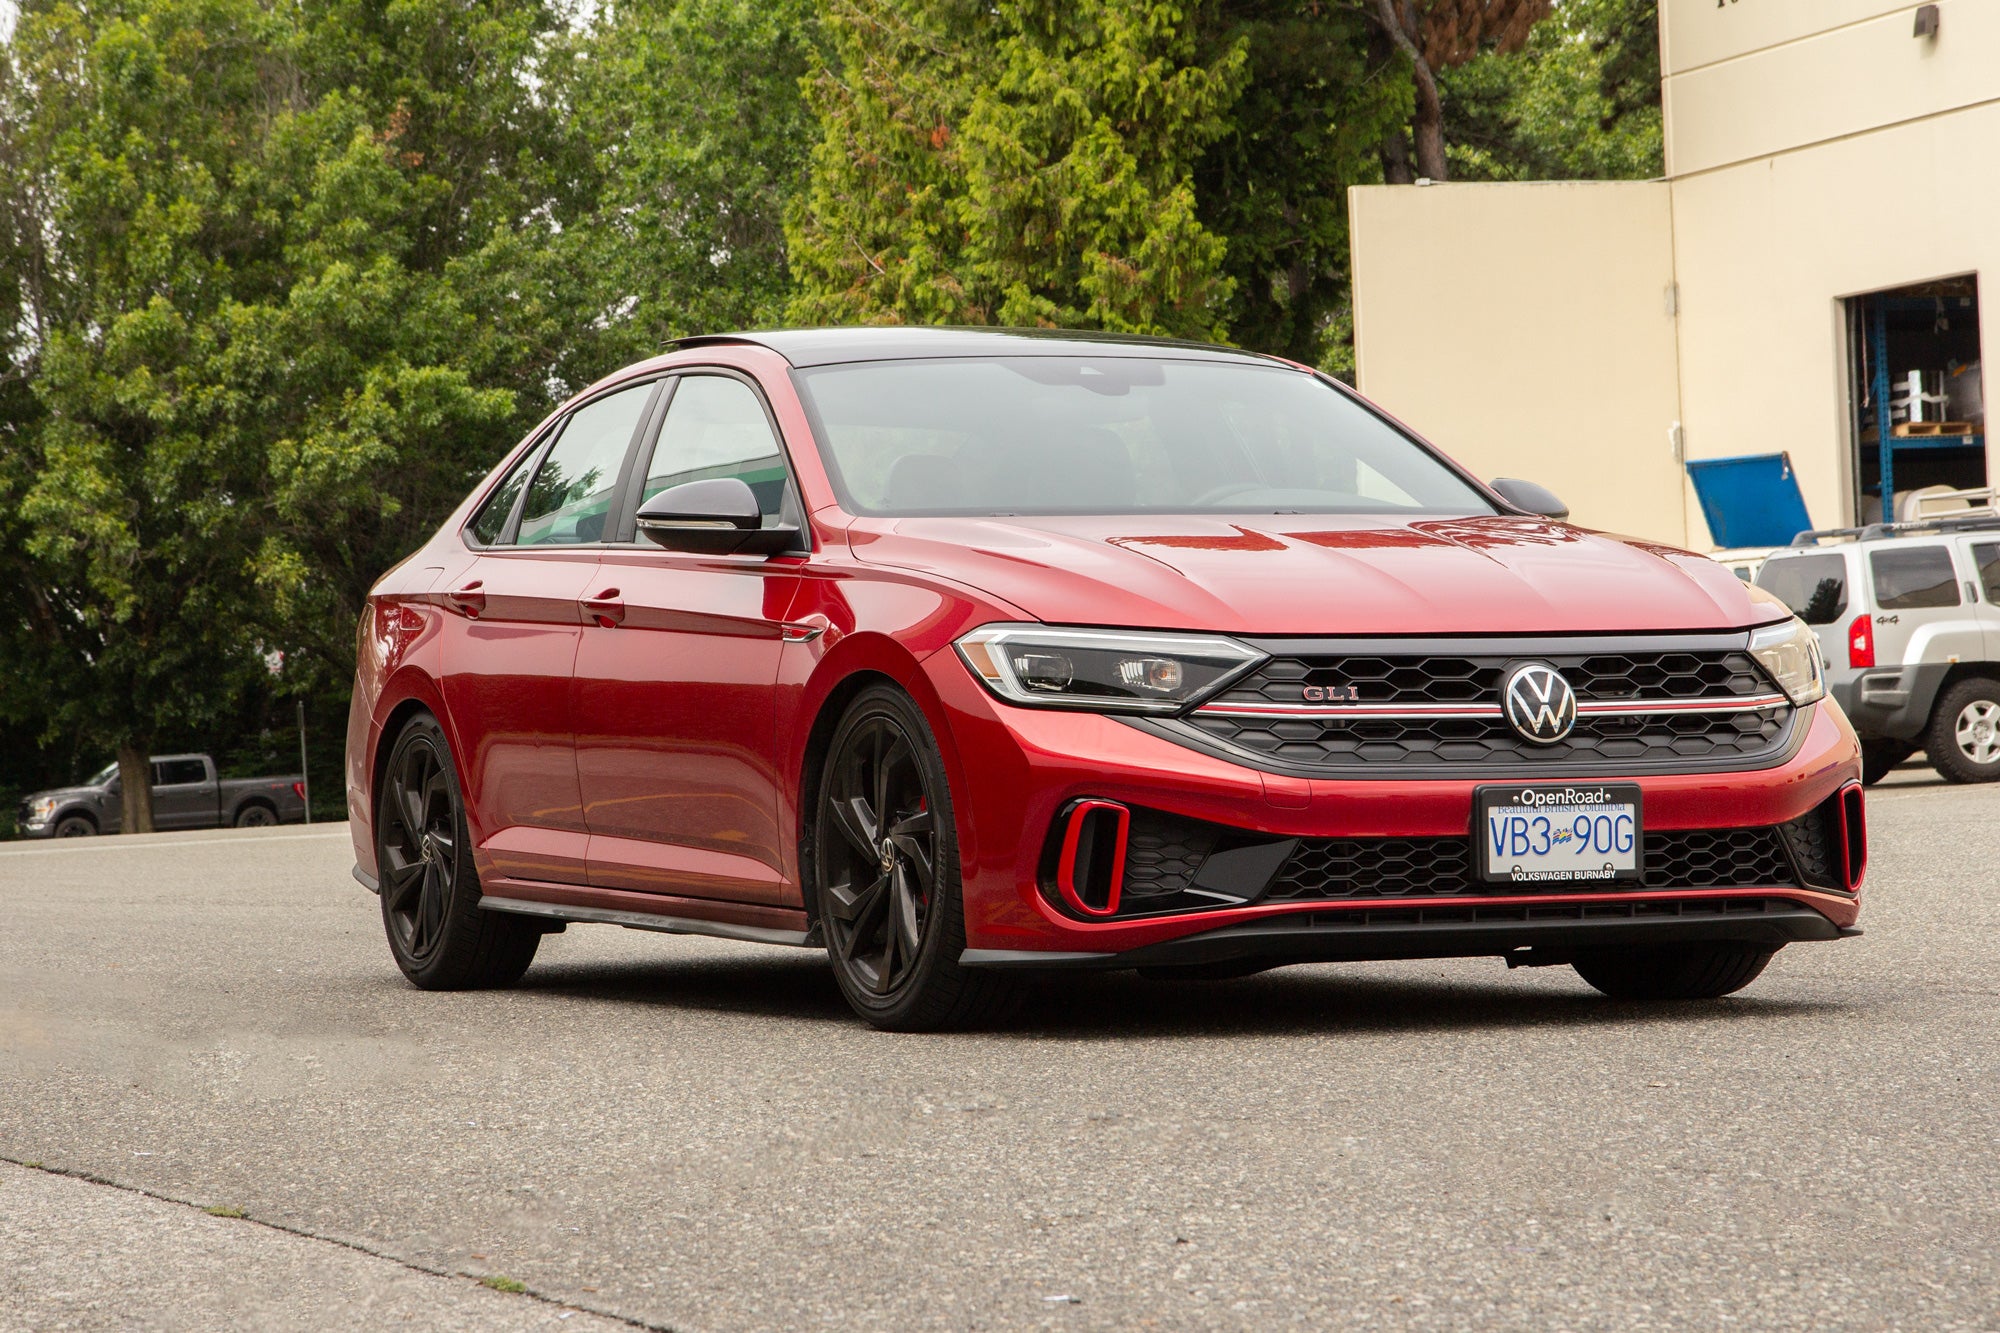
1973,521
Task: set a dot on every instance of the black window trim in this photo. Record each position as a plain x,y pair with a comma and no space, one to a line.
631,484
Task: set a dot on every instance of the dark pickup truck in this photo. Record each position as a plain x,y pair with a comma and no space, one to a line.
186,794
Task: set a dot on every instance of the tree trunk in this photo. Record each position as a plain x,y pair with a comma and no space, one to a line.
1396,158
1427,125
135,778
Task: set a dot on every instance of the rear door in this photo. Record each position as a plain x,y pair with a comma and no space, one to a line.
676,680
1920,609
184,793
510,647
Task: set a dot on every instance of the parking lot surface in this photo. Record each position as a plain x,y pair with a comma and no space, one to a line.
692,1134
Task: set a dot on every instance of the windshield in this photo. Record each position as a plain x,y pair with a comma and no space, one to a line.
1114,435
104,775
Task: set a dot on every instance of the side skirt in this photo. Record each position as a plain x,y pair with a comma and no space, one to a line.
671,925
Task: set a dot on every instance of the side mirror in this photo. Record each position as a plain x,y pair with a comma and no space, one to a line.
1527,496
717,516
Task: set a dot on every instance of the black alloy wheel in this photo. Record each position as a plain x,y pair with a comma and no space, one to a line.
75,826
885,854
441,938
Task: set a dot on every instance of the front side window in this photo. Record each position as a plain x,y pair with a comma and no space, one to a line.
1814,586
1913,578
570,497
716,427
1115,435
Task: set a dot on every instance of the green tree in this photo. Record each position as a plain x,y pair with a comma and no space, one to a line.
1030,164
1431,37
1580,101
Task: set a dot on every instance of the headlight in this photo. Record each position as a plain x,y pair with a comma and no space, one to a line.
1106,670
1790,653
41,809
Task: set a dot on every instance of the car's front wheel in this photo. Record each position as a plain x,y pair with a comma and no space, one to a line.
884,853
430,891
75,826
1674,971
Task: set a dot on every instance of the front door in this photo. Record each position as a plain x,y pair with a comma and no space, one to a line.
676,717
510,647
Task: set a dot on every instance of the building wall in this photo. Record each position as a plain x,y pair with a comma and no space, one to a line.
1758,77
1765,252
1817,150
1525,329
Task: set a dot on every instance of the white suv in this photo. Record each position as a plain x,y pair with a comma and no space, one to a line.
1908,619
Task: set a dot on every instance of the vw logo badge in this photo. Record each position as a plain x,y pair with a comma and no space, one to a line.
1539,702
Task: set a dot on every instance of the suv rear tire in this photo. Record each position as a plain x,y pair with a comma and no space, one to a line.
1963,740
1674,972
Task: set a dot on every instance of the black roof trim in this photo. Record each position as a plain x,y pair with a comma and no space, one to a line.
833,346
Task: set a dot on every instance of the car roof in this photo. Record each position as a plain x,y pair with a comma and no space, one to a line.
825,347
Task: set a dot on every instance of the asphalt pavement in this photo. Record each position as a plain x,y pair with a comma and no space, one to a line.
693,1134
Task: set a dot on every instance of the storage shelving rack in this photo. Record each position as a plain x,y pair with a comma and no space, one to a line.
1888,442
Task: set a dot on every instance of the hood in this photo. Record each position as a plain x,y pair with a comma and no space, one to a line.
1319,575
63,793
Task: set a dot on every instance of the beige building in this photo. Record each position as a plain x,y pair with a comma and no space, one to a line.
1831,204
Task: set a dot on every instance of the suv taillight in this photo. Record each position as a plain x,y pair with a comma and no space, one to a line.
1861,643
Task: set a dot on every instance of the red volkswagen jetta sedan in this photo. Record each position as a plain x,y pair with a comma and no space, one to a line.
961,653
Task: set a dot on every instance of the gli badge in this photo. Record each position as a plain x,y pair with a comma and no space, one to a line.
1539,702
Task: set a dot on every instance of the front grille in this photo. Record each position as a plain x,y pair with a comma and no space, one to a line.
1344,868
1321,713
1162,853
1435,679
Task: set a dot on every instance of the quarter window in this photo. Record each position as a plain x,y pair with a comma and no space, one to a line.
1814,586
491,521
570,497
1987,556
1913,578
716,427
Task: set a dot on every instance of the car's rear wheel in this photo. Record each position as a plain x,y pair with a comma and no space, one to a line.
430,891
1880,758
1675,971
75,826
884,852
1964,738
256,815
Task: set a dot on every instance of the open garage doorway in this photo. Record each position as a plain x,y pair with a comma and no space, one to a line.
1918,407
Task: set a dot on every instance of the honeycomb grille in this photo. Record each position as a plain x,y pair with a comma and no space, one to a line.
1162,853
1334,868
1465,680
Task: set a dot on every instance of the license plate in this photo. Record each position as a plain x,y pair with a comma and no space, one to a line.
1580,834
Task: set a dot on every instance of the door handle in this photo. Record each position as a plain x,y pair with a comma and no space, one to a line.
469,600
605,608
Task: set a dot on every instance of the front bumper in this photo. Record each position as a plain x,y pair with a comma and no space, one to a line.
1015,769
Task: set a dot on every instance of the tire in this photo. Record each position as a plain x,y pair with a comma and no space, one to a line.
1881,758
438,935
1675,971
76,826
887,888
1963,740
256,815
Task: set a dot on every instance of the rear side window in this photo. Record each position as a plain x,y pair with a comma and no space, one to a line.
1987,556
491,520
716,427
570,497
1913,578
178,772
1814,586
